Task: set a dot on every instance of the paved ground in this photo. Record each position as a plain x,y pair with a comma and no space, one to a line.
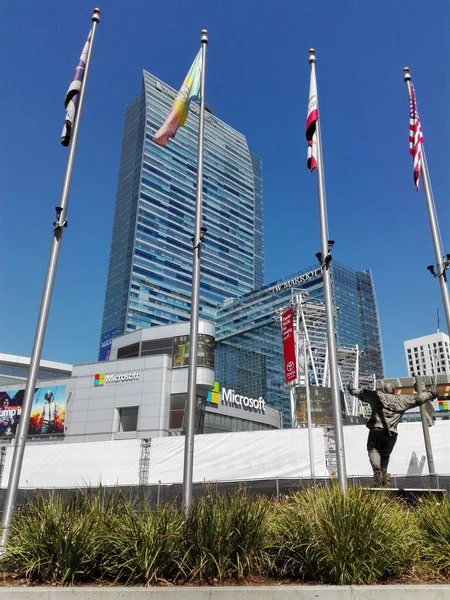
275,592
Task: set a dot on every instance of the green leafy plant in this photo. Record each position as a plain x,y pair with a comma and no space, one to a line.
359,537
433,519
57,539
144,546
356,537
226,537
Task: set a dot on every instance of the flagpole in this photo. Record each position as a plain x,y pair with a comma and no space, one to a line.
58,228
425,427
308,408
197,240
329,308
441,263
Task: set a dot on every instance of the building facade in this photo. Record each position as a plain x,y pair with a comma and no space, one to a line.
140,393
428,355
14,369
249,351
150,266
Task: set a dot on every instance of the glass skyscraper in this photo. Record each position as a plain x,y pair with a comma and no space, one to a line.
150,266
249,352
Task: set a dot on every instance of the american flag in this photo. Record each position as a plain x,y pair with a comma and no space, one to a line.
73,95
415,135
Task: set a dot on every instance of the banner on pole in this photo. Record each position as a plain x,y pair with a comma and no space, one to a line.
287,329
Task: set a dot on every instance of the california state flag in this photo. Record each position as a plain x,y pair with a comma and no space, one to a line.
311,121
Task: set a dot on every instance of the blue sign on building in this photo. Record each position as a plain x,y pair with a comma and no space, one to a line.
105,343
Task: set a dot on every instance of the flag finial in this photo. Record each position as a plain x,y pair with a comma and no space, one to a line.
406,74
96,15
312,55
204,39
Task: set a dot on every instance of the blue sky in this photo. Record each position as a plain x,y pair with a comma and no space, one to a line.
257,81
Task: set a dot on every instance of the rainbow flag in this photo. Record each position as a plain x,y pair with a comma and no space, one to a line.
190,90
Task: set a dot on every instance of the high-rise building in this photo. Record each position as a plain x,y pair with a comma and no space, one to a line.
150,266
249,352
428,355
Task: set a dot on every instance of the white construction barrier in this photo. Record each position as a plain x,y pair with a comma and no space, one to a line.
220,457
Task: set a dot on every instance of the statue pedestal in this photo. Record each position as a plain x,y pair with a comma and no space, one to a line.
411,495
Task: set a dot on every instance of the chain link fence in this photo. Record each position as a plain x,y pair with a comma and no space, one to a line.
155,494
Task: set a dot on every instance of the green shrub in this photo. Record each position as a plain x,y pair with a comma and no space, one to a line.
57,539
144,546
359,537
226,537
433,518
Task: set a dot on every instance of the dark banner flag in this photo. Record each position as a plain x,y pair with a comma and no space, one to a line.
72,98
287,329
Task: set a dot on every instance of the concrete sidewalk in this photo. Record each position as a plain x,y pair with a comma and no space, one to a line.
274,592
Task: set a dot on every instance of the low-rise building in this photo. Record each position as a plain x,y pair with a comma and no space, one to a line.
140,392
428,355
14,369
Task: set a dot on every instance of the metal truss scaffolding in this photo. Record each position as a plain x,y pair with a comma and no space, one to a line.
144,461
310,333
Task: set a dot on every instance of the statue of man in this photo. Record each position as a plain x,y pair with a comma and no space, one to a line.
387,411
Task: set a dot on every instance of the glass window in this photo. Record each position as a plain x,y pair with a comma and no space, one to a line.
128,351
154,347
128,418
176,414
205,351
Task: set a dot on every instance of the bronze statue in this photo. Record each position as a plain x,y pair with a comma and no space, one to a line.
387,411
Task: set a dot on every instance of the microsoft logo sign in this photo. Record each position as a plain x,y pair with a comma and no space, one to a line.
213,396
102,379
226,397
99,379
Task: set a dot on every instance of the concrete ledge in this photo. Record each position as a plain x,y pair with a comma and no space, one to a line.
273,592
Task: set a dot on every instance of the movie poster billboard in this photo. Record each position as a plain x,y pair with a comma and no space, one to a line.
205,351
47,413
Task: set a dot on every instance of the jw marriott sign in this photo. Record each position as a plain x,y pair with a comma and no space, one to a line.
296,281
